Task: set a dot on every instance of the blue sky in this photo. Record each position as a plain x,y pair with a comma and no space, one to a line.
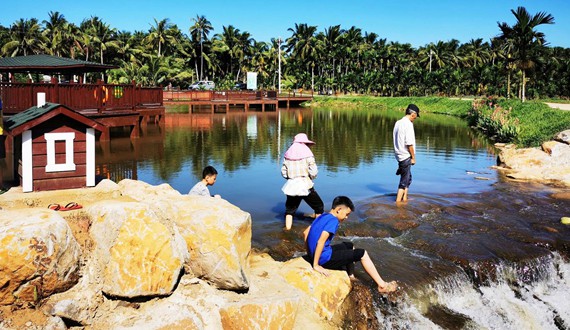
417,22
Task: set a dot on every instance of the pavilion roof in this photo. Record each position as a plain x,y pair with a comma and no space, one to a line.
48,64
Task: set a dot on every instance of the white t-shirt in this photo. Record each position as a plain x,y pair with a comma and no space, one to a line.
200,189
404,136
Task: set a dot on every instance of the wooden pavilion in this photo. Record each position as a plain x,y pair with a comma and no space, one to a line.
109,104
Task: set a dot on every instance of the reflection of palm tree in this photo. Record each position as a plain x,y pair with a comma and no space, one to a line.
201,29
525,39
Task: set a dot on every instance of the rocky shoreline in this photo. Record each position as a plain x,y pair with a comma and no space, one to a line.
549,164
142,256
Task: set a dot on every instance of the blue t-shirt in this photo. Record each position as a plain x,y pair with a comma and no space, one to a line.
325,222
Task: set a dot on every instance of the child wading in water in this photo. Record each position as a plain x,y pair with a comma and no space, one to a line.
341,256
209,175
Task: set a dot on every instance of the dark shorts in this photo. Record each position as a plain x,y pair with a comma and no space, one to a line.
405,172
313,200
343,255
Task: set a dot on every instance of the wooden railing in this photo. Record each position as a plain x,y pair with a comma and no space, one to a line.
228,95
100,97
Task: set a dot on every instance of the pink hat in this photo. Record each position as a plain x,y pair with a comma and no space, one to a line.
302,138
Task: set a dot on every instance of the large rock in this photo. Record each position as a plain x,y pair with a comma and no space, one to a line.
194,305
218,236
38,255
217,233
261,313
552,166
325,293
141,254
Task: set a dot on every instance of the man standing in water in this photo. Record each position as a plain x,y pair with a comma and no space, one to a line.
405,150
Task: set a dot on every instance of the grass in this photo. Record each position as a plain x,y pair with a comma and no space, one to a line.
443,105
526,124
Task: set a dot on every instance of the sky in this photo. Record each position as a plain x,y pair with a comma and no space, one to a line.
418,22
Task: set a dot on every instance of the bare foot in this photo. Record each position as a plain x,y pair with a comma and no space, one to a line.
389,287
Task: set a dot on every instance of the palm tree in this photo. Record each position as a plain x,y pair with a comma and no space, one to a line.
303,45
55,33
159,34
201,29
524,39
25,38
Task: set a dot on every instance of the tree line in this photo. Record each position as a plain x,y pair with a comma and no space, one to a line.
516,63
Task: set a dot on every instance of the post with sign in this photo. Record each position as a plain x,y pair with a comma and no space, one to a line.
252,81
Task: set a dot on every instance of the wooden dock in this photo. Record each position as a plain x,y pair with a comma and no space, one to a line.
226,101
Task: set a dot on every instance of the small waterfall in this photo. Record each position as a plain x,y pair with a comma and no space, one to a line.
530,295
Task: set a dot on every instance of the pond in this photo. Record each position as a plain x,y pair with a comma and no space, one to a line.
466,234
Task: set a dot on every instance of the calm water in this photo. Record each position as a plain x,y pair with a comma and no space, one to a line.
470,249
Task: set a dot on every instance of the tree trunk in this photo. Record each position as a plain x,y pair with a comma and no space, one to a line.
523,85
509,84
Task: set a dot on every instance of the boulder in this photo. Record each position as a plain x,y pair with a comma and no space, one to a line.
537,165
140,253
217,233
218,236
325,294
38,255
194,305
272,312
142,191
563,136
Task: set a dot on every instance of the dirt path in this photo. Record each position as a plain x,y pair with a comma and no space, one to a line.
561,106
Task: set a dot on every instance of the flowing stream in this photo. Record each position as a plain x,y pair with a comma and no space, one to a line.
471,249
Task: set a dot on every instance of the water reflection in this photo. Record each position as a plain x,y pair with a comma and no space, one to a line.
353,150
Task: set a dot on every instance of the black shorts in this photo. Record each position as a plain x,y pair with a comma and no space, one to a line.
405,172
343,254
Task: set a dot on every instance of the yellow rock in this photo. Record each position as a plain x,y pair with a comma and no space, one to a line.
140,255
325,292
218,236
262,313
565,220
217,233
38,255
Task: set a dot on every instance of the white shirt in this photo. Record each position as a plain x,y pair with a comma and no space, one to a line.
200,189
404,136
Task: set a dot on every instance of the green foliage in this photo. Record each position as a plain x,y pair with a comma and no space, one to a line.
442,105
525,123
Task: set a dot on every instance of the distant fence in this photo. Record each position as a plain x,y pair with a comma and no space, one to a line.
229,95
100,97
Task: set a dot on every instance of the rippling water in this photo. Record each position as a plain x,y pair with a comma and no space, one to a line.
471,249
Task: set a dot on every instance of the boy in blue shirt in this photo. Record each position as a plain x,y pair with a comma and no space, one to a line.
323,255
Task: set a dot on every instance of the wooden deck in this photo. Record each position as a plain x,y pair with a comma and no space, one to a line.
226,101
112,105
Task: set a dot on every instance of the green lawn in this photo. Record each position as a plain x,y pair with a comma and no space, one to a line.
534,121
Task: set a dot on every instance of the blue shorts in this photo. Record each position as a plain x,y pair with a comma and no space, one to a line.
405,172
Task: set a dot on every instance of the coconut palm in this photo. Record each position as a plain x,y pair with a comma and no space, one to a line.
525,39
55,33
159,34
200,31
25,38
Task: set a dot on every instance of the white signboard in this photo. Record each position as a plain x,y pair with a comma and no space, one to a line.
252,80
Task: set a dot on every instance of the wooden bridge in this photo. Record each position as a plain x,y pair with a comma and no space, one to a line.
225,101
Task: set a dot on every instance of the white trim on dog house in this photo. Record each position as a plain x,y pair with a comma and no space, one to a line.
27,170
51,138
90,156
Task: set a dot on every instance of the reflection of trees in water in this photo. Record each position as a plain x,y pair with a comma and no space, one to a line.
345,138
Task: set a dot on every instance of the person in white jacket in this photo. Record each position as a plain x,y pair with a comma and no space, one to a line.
300,169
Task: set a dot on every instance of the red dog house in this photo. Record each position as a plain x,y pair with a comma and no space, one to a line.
54,147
